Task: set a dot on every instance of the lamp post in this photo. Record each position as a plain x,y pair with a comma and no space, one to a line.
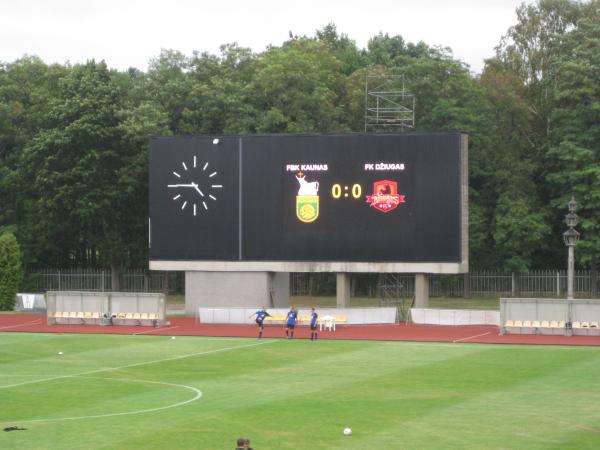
571,236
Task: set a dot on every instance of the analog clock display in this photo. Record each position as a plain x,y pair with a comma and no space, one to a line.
193,198
195,186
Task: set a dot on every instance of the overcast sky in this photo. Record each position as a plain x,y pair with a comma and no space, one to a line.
128,33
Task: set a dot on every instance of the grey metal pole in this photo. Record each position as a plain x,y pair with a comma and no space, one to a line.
570,272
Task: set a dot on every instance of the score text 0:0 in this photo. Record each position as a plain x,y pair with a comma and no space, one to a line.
337,191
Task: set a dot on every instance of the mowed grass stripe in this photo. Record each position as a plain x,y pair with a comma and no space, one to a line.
432,387
310,384
298,394
537,412
523,406
85,359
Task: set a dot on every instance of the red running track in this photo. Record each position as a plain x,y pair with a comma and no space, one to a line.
187,326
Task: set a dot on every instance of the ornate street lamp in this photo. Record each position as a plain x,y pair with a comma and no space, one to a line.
571,236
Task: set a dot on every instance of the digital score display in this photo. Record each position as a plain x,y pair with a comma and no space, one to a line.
309,198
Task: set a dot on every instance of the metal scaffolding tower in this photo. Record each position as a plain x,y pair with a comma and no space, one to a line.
389,106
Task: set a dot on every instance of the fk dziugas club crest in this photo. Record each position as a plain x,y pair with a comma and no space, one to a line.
307,200
385,196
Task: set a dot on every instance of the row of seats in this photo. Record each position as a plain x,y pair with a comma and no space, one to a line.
548,324
76,315
306,319
585,325
534,323
137,316
97,315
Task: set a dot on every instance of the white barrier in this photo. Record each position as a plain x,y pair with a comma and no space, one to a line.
30,302
106,308
353,316
454,316
550,316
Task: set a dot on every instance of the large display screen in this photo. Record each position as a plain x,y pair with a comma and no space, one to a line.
349,197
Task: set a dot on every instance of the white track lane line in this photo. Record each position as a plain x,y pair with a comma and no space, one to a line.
127,366
472,337
21,324
197,392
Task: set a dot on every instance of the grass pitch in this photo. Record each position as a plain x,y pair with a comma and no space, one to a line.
151,392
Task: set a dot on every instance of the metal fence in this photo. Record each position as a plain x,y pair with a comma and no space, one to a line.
132,280
475,283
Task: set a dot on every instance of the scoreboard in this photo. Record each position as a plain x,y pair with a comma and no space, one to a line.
372,202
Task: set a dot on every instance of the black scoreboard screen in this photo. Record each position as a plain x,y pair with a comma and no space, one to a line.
345,197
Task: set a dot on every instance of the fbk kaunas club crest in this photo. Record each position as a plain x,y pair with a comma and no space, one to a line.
385,196
307,200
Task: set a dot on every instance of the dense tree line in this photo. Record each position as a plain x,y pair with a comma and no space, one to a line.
74,139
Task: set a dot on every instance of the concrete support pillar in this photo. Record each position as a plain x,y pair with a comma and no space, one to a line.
236,289
421,290
343,290
279,289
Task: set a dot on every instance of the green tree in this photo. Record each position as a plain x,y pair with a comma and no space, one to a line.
219,99
27,87
298,88
168,84
78,176
11,273
343,48
574,154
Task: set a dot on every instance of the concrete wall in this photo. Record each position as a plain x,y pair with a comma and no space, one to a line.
231,289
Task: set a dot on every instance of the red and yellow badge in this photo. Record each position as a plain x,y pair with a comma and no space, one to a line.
385,196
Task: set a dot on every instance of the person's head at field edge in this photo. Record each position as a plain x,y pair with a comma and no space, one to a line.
312,309
240,444
247,444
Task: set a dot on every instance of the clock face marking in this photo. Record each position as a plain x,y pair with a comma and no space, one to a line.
193,186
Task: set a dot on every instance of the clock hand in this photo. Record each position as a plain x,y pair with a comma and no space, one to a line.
188,185
198,189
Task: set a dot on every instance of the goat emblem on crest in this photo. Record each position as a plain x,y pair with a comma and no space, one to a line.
307,200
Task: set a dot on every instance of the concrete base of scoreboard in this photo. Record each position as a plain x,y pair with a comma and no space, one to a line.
229,289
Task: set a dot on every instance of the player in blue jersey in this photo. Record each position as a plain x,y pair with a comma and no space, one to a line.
290,323
313,324
260,317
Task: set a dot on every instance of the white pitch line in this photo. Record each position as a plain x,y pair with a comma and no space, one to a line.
127,366
22,324
471,337
157,329
198,393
